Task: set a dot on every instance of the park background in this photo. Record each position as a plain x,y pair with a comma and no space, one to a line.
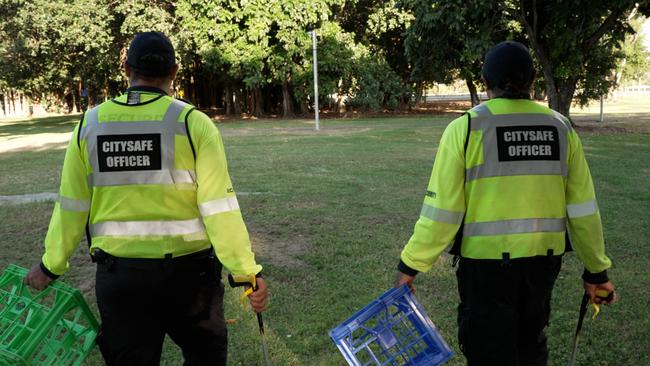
329,211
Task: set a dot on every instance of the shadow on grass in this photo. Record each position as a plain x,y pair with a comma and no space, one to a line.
33,126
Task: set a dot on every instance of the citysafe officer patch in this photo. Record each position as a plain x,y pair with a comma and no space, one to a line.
118,153
528,143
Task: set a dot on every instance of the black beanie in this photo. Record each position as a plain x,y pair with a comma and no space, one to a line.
151,54
508,65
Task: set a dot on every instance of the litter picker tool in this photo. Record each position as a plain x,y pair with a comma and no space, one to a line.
605,295
249,280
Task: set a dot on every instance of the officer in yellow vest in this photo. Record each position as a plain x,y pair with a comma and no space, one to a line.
145,177
509,178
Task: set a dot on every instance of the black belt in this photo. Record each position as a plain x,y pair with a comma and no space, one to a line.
101,257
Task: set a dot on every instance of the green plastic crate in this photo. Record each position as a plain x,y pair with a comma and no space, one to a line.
50,327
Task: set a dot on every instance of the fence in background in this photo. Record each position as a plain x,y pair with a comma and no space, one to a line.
633,89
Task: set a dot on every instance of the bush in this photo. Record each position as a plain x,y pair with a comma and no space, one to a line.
376,85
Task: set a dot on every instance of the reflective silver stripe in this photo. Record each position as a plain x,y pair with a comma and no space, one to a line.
134,228
144,177
520,226
91,122
492,167
440,215
183,176
170,122
180,129
564,120
125,127
510,168
219,206
71,204
482,112
582,209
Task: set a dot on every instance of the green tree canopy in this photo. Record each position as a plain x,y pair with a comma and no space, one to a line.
577,44
449,38
255,56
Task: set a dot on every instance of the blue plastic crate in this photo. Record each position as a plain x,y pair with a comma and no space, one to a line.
392,330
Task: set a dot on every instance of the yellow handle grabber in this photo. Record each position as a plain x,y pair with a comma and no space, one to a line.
603,294
250,281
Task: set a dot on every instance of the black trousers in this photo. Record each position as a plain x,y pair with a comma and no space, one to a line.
504,308
141,300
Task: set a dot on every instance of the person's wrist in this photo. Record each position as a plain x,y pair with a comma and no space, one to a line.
405,269
48,273
595,278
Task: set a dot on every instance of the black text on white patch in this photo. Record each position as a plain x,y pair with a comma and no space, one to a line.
118,153
528,143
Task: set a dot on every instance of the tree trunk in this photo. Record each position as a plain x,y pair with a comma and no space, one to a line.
473,95
559,92
257,104
539,93
30,107
12,100
560,95
189,88
74,100
339,104
228,101
269,100
192,92
304,107
105,91
91,96
214,93
77,96
194,82
237,103
287,103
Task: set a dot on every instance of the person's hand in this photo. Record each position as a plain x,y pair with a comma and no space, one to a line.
259,298
401,278
608,286
37,279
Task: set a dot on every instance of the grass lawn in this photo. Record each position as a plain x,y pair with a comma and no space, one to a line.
329,213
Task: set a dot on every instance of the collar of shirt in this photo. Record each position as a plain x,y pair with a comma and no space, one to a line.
142,88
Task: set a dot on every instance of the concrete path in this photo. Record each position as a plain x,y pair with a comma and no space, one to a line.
28,198
51,197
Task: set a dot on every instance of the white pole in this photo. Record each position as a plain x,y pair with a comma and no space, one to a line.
313,47
601,109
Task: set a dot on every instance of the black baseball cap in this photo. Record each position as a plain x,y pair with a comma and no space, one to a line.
151,54
508,64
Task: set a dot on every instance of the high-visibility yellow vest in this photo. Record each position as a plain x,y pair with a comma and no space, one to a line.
148,179
521,182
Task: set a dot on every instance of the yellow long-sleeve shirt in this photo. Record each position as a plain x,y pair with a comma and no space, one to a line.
150,213
509,204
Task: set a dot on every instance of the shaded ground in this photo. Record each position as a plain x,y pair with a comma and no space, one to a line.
628,123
